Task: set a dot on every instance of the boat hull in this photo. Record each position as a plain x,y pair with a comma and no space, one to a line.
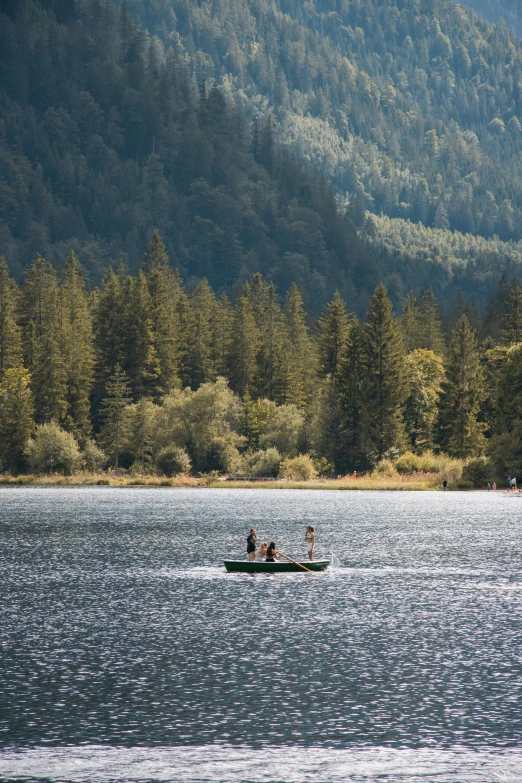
282,566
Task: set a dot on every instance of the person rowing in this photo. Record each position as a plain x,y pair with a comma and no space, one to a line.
271,553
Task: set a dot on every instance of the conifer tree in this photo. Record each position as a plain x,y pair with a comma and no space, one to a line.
497,311
410,323
269,381
351,451
109,327
198,366
460,434
113,408
333,326
42,341
384,374
10,334
16,418
221,335
77,349
241,368
165,293
140,360
431,337
299,359
513,328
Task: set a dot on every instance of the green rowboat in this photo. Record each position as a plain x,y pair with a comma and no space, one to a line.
282,566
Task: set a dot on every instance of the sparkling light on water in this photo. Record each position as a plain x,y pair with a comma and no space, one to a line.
128,653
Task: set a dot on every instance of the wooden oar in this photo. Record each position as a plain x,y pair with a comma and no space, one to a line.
296,563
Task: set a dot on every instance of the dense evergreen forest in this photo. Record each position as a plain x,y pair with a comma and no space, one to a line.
146,375
495,10
411,108
111,125
102,138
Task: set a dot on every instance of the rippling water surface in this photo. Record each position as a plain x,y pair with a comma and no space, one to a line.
128,653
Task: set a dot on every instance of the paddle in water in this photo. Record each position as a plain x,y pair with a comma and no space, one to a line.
282,554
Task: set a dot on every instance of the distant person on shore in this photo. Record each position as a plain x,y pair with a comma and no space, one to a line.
508,483
271,553
489,486
251,545
444,485
310,540
494,485
514,484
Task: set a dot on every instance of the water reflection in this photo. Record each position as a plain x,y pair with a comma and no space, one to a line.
120,628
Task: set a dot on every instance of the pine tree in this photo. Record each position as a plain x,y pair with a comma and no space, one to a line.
513,328
333,326
16,418
77,349
140,360
109,327
410,323
384,374
221,335
42,341
243,348
497,312
351,447
269,381
460,434
140,419
431,337
198,366
10,335
113,407
165,293
425,372
299,358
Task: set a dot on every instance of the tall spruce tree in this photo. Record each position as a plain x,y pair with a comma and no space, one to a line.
410,323
10,334
199,314
513,327
77,342
140,360
109,327
243,348
113,408
385,387
460,433
333,325
16,418
431,336
351,445
299,357
165,294
267,314
43,346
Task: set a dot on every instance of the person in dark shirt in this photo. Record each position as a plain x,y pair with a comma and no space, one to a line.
271,553
251,545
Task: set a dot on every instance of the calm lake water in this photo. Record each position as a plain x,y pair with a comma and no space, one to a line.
128,654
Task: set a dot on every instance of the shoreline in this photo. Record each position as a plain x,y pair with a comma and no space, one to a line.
399,482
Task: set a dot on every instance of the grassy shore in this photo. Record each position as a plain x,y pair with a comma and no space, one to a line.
416,482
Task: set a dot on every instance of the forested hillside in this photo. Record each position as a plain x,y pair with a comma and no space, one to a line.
495,10
102,139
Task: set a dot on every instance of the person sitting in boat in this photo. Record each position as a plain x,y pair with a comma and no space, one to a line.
262,551
271,553
251,545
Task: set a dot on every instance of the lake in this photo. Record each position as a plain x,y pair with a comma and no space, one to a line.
129,654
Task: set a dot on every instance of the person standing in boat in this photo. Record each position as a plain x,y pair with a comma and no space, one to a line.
251,545
310,540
